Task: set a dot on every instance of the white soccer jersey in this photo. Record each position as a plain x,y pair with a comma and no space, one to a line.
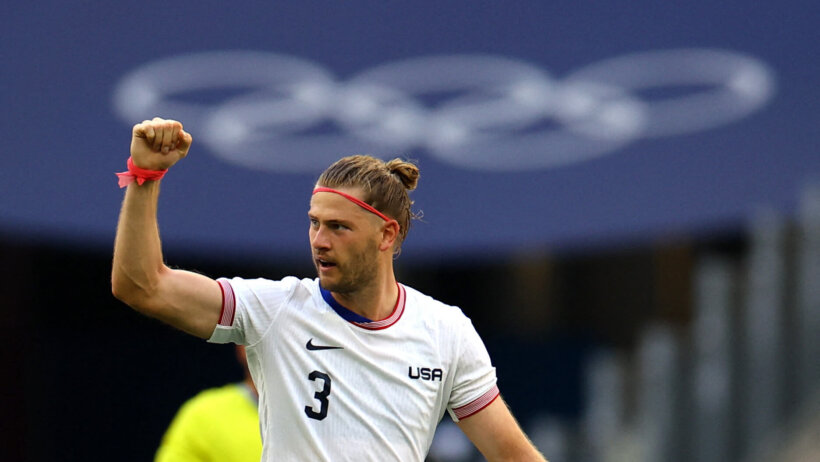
334,386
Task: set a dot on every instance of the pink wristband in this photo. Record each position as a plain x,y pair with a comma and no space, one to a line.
140,175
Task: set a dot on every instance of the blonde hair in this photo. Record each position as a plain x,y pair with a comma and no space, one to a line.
385,185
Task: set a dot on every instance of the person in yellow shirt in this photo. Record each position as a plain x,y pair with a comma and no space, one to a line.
217,425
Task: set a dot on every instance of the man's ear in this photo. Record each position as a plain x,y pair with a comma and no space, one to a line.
390,233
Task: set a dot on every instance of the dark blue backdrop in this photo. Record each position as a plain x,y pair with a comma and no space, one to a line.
528,136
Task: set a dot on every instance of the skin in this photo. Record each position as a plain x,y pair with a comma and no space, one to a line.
186,300
243,361
358,245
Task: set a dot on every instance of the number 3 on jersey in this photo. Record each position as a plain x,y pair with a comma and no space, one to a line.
320,396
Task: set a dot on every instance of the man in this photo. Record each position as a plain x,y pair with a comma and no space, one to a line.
218,424
349,366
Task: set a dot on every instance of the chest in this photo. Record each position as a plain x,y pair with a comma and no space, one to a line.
336,368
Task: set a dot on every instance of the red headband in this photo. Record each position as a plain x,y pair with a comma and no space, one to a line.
356,201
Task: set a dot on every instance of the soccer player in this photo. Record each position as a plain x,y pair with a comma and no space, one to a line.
351,365
218,424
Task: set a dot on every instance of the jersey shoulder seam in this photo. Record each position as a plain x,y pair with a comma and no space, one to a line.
284,304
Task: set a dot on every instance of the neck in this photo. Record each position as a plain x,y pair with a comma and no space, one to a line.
249,382
375,301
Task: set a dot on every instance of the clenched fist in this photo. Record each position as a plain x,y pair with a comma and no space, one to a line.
158,144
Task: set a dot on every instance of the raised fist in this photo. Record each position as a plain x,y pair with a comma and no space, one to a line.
158,144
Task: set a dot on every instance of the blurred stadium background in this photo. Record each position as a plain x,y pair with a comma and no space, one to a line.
625,199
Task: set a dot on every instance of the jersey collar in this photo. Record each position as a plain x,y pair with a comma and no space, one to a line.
362,321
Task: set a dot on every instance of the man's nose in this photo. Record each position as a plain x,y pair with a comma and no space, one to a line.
319,239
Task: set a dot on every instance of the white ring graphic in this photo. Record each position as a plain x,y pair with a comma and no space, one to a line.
483,112
736,86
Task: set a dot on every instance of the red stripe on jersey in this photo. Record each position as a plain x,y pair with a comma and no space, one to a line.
228,303
477,404
398,310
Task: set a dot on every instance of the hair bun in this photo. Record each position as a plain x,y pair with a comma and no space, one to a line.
407,172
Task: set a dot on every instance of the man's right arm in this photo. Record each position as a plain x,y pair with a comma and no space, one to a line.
188,301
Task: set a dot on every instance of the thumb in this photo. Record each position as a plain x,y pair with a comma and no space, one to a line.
185,140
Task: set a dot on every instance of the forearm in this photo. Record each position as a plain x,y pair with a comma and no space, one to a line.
138,261
188,301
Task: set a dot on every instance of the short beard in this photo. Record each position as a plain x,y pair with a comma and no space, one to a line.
355,275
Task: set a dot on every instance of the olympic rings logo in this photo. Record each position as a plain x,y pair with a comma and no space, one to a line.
483,112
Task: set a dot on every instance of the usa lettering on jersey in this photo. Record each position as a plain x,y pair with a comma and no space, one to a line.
425,373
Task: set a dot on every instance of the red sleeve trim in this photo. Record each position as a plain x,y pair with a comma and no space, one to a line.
477,404
228,303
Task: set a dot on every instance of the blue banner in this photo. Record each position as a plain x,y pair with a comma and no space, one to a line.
535,124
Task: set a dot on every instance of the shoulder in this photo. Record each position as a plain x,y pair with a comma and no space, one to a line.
287,282
211,406
226,395
217,421
434,310
262,287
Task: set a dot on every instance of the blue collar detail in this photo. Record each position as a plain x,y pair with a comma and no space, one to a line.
345,313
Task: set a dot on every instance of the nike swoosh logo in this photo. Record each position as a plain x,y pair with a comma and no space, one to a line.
311,347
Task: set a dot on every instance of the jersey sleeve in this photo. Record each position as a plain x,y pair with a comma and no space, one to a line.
474,385
249,308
